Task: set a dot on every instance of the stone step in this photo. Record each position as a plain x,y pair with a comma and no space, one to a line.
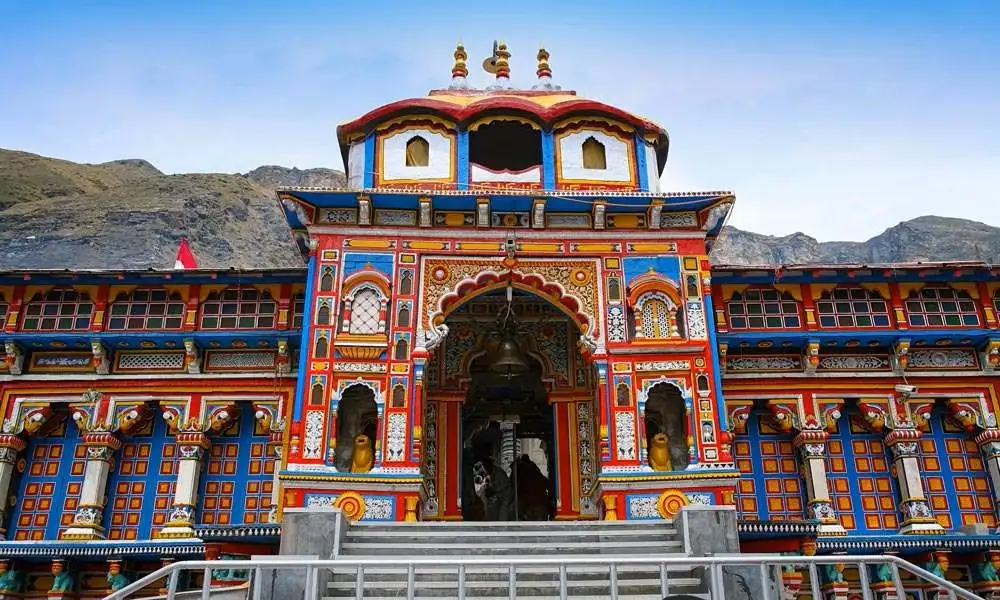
559,547
522,589
576,596
419,542
443,532
484,526
485,574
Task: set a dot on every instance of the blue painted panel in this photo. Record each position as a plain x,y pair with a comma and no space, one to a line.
548,161
368,177
462,163
760,450
307,320
140,467
640,162
356,261
44,487
713,345
668,266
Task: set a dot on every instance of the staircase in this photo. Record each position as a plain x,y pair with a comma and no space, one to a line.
453,542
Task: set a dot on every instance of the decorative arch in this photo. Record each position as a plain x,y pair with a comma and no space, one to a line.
358,407
594,154
370,277
417,151
664,408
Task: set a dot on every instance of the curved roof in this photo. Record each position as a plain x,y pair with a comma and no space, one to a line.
463,106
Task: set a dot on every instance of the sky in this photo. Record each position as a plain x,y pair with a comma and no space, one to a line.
836,119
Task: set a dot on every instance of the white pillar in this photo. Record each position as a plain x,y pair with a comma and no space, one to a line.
89,518
191,448
917,514
812,449
10,446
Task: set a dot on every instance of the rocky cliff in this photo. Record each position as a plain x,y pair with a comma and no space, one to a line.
126,214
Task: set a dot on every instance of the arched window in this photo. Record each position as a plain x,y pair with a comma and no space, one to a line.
239,308
852,307
398,396
656,319
326,281
594,156
58,310
614,289
622,394
366,312
406,282
322,347
702,384
417,152
769,488
147,310
941,307
862,487
763,309
298,310
956,484
323,314
403,316
316,396
402,349
236,487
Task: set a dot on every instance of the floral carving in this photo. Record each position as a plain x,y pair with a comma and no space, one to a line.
625,435
313,443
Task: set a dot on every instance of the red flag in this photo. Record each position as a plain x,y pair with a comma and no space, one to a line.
185,258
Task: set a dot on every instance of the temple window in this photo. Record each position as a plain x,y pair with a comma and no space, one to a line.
239,308
49,489
58,310
236,487
4,309
594,155
326,280
614,289
763,309
623,395
406,282
298,310
692,286
322,347
147,310
323,313
862,486
142,476
852,307
402,349
403,315
505,146
941,307
366,312
657,317
417,152
316,395
769,487
702,384
665,413
357,415
956,484
398,396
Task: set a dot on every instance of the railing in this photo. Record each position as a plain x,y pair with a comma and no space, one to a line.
713,565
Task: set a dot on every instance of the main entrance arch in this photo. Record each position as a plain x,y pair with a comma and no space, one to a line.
500,445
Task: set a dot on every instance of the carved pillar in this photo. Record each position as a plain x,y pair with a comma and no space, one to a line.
10,446
89,518
191,446
989,444
811,444
917,515
603,410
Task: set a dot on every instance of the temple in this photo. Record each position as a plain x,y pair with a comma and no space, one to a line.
500,317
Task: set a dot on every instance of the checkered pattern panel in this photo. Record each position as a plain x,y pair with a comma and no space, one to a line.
135,487
49,488
955,480
221,475
859,475
259,485
770,487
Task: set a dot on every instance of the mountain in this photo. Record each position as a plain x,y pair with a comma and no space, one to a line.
126,214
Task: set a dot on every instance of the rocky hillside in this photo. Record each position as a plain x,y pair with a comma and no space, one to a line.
126,214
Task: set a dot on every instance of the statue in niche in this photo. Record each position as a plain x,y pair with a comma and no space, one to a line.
357,414
362,456
666,416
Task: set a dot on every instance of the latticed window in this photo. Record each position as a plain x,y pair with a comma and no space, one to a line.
365,312
941,307
58,310
147,310
298,310
655,319
763,309
852,307
238,308
4,309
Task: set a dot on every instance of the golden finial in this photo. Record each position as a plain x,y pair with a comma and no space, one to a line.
460,70
503,58
543,71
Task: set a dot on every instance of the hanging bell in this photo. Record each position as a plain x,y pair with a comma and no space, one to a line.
507,359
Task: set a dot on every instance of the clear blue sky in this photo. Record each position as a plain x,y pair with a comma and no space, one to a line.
838,119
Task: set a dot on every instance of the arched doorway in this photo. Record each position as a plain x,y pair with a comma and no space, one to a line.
508,368
666,426
357,416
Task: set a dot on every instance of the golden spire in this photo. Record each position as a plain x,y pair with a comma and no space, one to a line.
503,58
460,70
543,71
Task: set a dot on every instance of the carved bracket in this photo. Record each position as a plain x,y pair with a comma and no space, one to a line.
784,415
991,355
13,360
282,362
738,418
811,356
901,352
192,358
99,359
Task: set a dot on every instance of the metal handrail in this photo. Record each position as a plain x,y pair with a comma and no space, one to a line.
714,564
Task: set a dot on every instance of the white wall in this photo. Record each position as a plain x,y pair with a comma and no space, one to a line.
394,156
356,165
652,172
570,156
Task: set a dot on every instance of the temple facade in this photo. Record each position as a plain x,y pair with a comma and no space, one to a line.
500,317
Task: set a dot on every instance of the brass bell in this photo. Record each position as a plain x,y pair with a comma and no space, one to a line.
508,359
